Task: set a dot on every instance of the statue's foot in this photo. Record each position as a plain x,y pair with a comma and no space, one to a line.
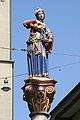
45,75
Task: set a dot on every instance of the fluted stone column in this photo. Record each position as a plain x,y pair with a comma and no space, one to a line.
39,94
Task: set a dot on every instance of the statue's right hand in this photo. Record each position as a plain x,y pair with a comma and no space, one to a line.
31,25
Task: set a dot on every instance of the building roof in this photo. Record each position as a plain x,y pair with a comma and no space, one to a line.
69,106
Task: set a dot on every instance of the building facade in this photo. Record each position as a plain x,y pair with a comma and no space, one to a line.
6,64
69,107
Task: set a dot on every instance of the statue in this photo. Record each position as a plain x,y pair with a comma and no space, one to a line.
39,89
39,45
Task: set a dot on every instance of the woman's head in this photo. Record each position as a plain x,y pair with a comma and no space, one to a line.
40,15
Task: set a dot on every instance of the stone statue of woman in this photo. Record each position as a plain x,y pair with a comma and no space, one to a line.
39,45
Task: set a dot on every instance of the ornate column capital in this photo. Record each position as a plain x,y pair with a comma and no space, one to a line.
39,93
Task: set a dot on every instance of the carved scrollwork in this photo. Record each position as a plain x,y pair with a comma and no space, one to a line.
39,95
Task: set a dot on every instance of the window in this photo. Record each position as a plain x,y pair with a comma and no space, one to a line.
1,0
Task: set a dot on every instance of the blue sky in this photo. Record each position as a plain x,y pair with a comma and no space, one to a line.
63,18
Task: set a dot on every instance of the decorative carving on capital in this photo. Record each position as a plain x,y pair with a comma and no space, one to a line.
39,94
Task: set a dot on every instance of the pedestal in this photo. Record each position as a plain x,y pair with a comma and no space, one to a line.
39,94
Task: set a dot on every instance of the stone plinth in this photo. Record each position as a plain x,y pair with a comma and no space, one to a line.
39,94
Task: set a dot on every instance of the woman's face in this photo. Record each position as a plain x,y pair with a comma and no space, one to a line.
40,16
